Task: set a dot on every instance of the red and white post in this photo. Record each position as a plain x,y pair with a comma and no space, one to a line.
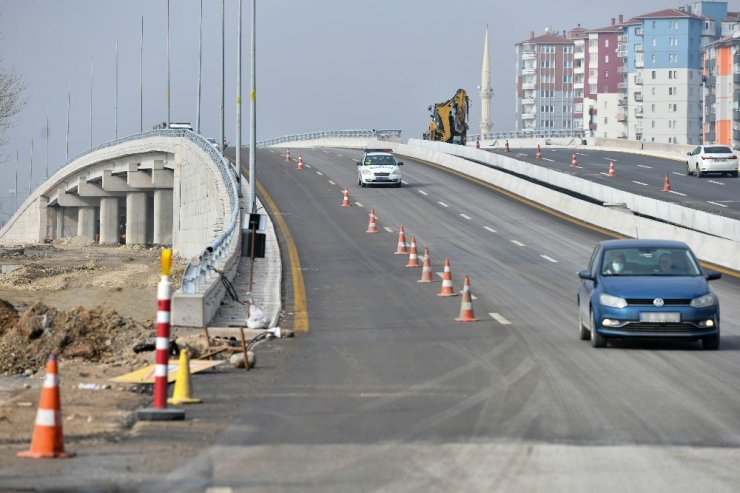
159,411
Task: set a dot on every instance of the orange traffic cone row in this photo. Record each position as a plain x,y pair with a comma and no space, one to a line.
47,441
573,162
448,289
426,268
611,168
300,163
466,306
287,156
401,249
667,184
372,227
345,201
538,155
413,257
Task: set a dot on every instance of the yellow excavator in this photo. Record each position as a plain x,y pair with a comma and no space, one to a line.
449,120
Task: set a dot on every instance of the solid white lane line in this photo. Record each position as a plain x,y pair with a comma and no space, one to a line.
716,203
640,183
423,192
443,204
466,216
549,259
489,229
498,318
518,243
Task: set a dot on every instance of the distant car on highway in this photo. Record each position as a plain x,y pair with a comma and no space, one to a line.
378,167
212,141
711,159
651,289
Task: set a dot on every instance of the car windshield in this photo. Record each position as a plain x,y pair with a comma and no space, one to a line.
649,262
717,150
380,161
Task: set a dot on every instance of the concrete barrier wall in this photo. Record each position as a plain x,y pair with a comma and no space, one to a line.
705,222
719,251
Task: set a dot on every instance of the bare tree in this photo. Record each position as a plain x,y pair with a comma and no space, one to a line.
12,100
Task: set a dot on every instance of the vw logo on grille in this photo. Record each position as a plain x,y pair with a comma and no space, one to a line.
658,302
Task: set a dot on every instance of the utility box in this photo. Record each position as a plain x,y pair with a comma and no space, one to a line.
259,244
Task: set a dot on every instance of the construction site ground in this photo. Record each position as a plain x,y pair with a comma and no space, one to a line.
98,305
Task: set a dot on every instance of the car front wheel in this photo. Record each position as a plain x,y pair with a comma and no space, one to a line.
688,169
583,333
597,340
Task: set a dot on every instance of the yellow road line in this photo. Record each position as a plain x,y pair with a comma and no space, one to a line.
300,312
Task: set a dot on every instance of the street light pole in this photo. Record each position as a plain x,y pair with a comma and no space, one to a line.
253,117
239,97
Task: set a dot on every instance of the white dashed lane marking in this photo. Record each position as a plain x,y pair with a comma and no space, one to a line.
466,216
518,243
330,181
487,228
549,259
423,192
716,203
443,204
498,318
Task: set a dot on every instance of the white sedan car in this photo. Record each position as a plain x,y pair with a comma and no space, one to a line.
711,159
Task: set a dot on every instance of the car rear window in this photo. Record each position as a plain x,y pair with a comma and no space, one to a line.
718,150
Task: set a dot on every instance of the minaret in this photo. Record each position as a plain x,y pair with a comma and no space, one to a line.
485,90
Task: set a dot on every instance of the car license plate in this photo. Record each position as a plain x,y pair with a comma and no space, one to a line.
660,317
720,161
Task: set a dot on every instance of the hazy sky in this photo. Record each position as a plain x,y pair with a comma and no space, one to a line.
321,65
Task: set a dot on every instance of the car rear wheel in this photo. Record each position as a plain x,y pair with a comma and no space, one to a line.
698,173
583,333
597,340
734,174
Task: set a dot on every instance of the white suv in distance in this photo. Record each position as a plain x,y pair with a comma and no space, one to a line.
378,167
711,159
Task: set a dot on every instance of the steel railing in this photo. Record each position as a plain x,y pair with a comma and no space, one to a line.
364,134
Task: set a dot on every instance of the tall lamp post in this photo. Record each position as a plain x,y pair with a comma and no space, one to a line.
253,118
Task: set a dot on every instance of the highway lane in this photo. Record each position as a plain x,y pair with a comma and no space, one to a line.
642,175
386,392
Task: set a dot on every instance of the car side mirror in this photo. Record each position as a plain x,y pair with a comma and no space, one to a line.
400,163
586,274
358,163
713,275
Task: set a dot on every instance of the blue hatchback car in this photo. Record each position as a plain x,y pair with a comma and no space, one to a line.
647,289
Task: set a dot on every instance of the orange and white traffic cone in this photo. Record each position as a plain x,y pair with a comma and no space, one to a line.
611,168
413,257
287,156
372,227
300,163
477,143
401,249
538,155
466,306
345,201
426,268
448,289
47,441
667,184
573,162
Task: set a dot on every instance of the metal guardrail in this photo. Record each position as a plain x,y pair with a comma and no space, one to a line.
367,134
520,134
199,272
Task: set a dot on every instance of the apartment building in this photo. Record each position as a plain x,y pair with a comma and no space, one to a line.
721,75
640,79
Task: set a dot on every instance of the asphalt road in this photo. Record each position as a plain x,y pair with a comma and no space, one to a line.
388,393
642,175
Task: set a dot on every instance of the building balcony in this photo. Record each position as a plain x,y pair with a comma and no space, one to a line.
711,80
621,117
638,31
710,137
638,111
710,31
528,116
622,69
593,80
710,118
529,55
623,38
622,53
622,102
736,115
736,77
638,48
638,96
578,70
528,101
528,85
638,80
639,64
710,99
529,71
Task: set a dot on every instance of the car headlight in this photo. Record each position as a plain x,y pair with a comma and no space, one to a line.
704,301
394,172
612,301
366,172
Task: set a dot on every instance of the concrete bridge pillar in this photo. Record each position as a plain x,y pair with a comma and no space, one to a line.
136,218
86,222
59,234
109,213
163,219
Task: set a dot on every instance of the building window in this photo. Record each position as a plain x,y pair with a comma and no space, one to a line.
652,58
606,43
606,58
652,75
655,42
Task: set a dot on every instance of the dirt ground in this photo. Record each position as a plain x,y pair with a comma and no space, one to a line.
96,305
